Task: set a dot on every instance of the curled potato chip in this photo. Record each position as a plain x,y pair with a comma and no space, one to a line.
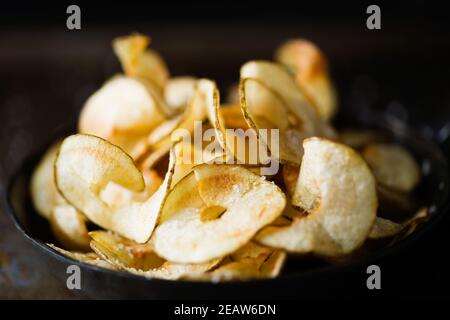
139,61
123,111
310,67
90,258
140,259
277,79
264,109
393,166
248,203
69,227
338,190
87,164
44,194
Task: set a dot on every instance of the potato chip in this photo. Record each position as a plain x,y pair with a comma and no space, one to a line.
265,109
338,190
310,67
393,166
90,258
277,79
139,61
86,164
124,253
123,111
250,202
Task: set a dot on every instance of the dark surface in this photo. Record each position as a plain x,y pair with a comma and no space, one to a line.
47,72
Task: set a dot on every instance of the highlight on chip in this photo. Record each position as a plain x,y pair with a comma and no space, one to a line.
122,111
337,189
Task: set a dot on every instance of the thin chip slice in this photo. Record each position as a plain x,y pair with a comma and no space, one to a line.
87,164
393,166
310,67
265,110
278,79
194,114
90,258
338,190
250,202
122,111
139,61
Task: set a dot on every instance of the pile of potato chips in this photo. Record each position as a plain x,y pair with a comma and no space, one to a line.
117,196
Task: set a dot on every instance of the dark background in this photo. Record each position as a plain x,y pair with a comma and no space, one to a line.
47,72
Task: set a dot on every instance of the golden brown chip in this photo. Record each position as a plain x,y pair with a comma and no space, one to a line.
139,61
310,67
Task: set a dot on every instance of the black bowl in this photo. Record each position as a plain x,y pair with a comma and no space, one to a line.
303,277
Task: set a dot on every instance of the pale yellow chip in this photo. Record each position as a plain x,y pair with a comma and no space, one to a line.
338,190
250,202
310,67
123,111
87,164
139,61
278,79
393,166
